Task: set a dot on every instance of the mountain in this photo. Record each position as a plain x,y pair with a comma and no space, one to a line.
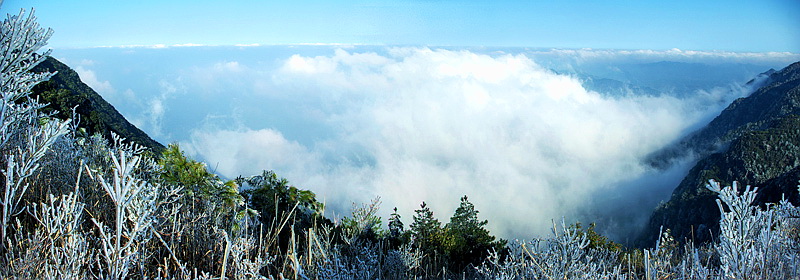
755,140
743,115
65,91
683,78
613,87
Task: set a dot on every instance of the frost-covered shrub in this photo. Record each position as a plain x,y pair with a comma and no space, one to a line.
246,261
356,248
695,264
59,169
25,137
562,256
57,249
753,242
134,201
360,260
356,261
659,261
23,163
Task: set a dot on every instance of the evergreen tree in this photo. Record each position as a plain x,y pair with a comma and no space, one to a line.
425,227
466,240
426,231
395,224
397,233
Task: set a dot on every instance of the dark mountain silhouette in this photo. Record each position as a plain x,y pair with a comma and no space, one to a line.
65,91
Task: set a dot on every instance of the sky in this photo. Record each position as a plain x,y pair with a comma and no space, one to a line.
740,26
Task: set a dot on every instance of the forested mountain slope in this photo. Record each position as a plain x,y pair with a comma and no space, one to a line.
758,144
778,96
65,91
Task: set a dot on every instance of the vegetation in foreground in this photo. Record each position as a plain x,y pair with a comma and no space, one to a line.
76,206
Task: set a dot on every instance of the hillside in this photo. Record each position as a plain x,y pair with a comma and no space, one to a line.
65,90
779,96
757,142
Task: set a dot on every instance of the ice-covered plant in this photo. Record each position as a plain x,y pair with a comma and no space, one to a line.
134,202
245,261
658,261
20,39
23,139
693,265
65,246
22,163
563,256
56,249
752,241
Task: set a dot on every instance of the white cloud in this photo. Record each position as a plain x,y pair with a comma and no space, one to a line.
90,78
230,66
188,45
152,116
640,56
153,46
156,114
86,62
246,151
527,145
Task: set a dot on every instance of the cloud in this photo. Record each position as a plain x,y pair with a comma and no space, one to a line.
151,118
153,46
86,62
189,45
580,56
90,78
527,145
240,45
243,151
231,66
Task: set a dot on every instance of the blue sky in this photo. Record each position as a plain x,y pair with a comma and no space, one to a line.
741,26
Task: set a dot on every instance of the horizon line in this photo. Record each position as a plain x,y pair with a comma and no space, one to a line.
246,45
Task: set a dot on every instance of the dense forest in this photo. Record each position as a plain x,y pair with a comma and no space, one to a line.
82,198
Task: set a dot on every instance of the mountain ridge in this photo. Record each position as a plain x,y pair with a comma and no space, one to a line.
65,91
744,114
755,140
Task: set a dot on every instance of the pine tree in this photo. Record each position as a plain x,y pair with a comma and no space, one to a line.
425,227
395,224
426,232
466,240
397,233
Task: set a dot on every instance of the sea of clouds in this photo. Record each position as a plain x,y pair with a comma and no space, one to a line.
526,143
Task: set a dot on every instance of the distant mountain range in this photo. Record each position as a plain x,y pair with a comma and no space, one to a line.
674,78
65,91
755,140
613,87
